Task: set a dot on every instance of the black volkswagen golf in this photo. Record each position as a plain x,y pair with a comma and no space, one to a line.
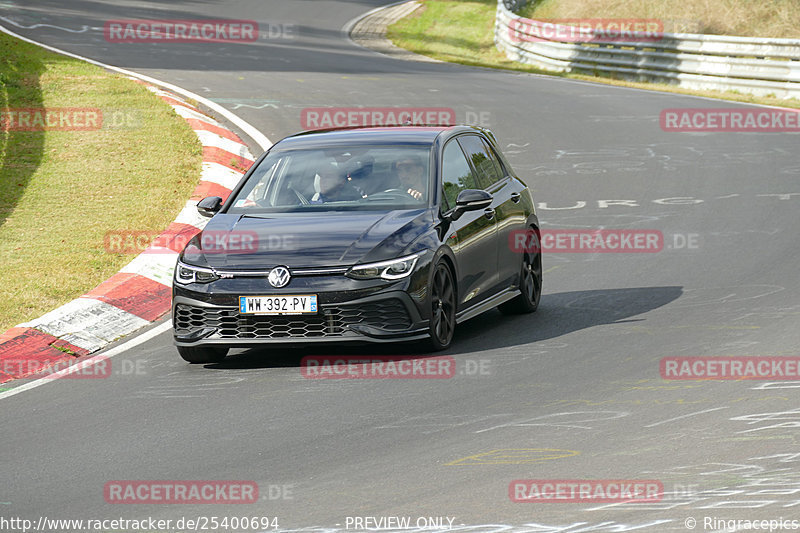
369,234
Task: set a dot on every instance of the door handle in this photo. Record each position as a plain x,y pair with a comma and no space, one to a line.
516,197
488,213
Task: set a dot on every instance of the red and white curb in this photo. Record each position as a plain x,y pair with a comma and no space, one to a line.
140,292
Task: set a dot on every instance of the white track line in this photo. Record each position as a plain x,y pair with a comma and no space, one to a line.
144,337
250,130
684,416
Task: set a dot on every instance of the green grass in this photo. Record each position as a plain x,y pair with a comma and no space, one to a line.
62,191
459,31
462,31
752,18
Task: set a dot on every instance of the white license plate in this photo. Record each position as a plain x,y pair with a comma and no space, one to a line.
290,304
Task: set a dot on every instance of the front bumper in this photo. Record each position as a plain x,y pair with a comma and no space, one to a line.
383,317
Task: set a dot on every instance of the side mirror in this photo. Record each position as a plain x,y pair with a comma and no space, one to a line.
209,206
470,200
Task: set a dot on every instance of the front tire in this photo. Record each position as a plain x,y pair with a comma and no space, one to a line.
202,354
530,281
443,307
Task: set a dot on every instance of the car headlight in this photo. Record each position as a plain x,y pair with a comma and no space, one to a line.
393,269
185,274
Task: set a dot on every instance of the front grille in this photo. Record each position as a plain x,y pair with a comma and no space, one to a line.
390,315
332,321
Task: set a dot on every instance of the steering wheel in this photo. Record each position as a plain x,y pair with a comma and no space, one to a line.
390,194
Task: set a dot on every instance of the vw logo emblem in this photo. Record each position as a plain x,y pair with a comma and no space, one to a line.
279,277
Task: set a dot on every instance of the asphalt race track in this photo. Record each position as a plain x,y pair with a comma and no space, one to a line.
571,392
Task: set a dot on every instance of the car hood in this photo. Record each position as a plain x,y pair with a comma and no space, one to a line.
330,239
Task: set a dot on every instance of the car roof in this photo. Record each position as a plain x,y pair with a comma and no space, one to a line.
369,135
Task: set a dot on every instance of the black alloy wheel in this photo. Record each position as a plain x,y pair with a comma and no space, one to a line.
530,281
443,307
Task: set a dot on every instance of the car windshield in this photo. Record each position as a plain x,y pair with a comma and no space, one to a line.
362,177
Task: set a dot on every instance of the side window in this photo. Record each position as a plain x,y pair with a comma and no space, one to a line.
498,165
483,160
456,174
256,188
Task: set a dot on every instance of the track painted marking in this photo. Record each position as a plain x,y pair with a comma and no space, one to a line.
778,385
83,29
514,456
563,420
144,337
684,416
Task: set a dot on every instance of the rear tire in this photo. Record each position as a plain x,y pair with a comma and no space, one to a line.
202,354
530,281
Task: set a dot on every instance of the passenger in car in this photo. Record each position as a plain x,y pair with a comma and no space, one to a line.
333,186
410,171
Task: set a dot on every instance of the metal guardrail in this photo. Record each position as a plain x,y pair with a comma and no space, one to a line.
752,65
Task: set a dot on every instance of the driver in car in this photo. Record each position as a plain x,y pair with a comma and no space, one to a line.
334,187
410,170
